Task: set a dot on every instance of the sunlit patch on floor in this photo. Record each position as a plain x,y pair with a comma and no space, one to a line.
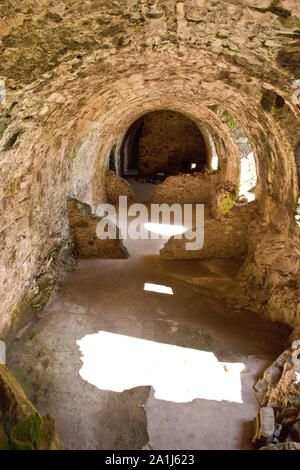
117,363
158,288
167,230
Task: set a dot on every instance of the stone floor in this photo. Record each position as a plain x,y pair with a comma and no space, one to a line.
128,356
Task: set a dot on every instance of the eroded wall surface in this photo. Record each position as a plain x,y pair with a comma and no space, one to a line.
116,187
85,237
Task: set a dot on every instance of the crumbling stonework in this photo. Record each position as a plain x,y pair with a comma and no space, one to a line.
224,237
196,188
38,288
264,426
78,74
289,445
279,389
270,277
269,280
83,229
116,187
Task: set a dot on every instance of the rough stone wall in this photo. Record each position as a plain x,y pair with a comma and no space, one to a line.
224,237
83,228
116,187
269,280
168,140
78,74
270,277
196,188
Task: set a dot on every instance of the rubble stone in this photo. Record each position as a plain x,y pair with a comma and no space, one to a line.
83,228
264,427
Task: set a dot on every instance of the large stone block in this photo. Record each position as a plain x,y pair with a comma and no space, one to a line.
21,426
83,229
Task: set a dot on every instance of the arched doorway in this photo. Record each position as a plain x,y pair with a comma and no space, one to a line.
164,142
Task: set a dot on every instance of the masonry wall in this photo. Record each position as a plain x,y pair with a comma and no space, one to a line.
169,140
78,74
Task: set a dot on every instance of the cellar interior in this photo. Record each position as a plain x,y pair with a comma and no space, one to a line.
141,343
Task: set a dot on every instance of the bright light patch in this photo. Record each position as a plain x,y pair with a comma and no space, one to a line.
215,162
158,288
165,229
215,159
117,363
250,196
193,166
248,178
